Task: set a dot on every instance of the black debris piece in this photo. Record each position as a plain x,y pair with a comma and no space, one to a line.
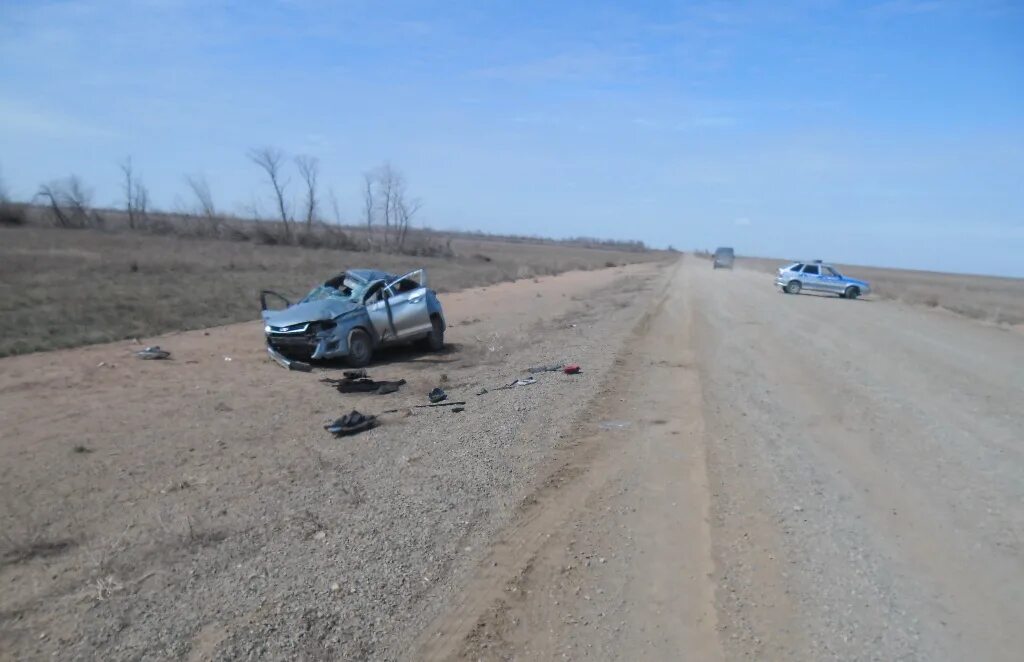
437,395
363,384
458,409
482,391
352,423
355,374
458,403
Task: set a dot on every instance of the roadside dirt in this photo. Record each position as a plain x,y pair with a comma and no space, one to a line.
197,508
738,474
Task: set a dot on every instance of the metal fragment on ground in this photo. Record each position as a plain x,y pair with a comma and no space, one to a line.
153,353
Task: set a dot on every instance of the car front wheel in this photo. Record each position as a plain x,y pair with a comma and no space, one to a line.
360,349
851,293
793,287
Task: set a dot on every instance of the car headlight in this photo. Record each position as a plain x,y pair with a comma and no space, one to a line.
266,328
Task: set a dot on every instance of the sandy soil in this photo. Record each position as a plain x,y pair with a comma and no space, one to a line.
196,507
738,474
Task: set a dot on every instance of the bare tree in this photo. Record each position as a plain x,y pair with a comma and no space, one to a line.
309,170
200,189
51,195
404,211
69,202
386,183
270,160
136,197
369,206
335,209
387,203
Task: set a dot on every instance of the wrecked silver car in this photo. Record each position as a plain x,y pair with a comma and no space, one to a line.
351,315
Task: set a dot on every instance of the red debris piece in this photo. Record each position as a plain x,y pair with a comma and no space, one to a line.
571,369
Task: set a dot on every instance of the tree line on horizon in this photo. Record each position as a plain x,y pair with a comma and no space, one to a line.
294,218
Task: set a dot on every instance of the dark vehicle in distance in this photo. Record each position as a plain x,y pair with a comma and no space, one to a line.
724,257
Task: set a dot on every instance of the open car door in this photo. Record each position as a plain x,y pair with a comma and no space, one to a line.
407,298
379,310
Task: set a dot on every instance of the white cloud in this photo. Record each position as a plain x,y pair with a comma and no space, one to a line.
742,222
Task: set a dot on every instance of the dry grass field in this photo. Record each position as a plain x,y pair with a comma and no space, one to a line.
986,298
63,288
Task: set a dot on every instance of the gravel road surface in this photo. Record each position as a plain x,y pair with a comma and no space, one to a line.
843,477
737,474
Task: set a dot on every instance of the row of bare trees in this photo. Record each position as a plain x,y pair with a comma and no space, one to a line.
388,209
70,203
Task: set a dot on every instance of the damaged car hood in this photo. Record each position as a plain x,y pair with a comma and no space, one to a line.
310,311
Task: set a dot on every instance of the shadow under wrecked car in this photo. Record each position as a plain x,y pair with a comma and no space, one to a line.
351,316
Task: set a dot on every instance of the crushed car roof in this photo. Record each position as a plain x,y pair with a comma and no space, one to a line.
370,275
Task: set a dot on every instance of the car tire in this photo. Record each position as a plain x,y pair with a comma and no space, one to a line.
793,287
360,349
852,292
435,339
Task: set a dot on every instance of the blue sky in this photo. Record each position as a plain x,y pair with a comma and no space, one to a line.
886,133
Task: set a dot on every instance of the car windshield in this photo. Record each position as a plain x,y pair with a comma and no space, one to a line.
349,289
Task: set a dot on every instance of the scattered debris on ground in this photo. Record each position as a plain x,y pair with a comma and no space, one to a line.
153,353
437,395
519,382
572,369
286,362
356,381
551,367
459,403
351,423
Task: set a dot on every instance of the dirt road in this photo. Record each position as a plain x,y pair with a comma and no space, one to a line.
773,477
737,474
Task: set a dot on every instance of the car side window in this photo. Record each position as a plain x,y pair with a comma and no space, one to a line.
829,271
811,269
375,293
406,285
796,267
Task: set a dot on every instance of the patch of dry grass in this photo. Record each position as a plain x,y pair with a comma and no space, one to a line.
63,288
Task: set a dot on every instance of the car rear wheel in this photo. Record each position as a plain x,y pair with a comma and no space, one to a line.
360,349
793,287
435,339
851,293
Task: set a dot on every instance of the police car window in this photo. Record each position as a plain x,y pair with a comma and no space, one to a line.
796,267
829,271
811,269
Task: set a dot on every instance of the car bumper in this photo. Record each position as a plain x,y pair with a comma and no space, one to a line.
309,347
